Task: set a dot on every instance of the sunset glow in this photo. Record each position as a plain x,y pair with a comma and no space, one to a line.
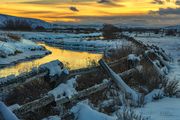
59,10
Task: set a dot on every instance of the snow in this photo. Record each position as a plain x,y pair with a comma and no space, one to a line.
52,118
164,109
83,111
64,89
171,44
133,57
28,55
133,95
6,113
81,42
23,45
162,70
150,97
13,51
14,107
54,67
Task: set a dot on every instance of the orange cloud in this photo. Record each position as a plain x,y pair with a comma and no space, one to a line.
58,10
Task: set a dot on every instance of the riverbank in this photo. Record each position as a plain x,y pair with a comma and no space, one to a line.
71,59
14,49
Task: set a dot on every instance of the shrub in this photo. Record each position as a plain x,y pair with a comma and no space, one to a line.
109,31
17,25
129,114
92,63
171,88
118,53
40,28
28,92
171,32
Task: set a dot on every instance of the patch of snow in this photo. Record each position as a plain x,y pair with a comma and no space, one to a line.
23,45
14,107
54,67
150,97
73,41
133,57
164,109
64,89
6,113
83,111
124,87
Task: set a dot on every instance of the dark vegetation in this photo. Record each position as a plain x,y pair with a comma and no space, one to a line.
110,32
170,32
22,25
28,92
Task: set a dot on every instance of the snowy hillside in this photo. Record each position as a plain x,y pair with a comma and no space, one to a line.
33,22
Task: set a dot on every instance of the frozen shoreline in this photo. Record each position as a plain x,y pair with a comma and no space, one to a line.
23,57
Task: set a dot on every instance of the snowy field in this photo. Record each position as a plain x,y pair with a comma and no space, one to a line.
166,108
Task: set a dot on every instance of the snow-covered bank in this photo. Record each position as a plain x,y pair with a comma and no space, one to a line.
92,42
16,50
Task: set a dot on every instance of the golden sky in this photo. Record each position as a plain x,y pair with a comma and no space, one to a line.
81,10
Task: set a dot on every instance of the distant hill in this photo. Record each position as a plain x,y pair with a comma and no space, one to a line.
175,27
30,21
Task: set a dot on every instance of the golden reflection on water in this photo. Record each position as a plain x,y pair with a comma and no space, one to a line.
71,59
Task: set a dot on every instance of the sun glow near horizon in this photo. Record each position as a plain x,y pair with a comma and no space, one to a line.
59,10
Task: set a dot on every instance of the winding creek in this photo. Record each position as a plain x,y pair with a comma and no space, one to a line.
71,59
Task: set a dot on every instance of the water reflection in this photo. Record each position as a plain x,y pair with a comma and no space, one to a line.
72,59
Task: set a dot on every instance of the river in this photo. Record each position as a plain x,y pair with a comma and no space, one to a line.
71,59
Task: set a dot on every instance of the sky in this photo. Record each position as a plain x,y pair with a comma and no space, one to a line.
127,12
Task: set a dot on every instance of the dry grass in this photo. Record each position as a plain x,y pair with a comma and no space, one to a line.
150,79
28,92
14,37
92,63
171,88
41,113
129,114
118,53
89,80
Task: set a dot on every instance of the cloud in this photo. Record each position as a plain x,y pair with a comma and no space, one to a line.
44,2
37,12
74,9
134,20
177,2
104,1
160,2
110,2
166,11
